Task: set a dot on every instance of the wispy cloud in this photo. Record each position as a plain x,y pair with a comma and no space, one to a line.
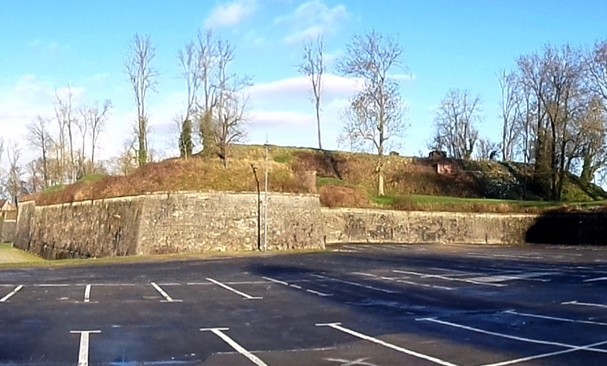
334,86
230,14
312,19
46,46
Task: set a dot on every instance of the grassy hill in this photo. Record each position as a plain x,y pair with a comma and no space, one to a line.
342,180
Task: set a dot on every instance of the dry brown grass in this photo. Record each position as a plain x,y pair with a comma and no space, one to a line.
345,179
196,174
341,196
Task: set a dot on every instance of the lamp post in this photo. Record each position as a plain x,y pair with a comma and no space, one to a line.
265,200
258,207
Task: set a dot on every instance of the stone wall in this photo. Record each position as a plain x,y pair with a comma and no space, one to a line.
204,222
83,229
195,222
8,229
167,223
380,226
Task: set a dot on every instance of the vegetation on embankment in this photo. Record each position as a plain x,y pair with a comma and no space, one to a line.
342,180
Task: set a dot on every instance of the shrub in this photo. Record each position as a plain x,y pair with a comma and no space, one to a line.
342,196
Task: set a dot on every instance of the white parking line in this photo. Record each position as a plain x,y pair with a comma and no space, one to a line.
87,293
409,352
508,336
297,287
229,283
426,275
83,353
398,280
355,284
163,293
530,276
584,304
237,347
550,354
596,279
567,320
248,297
11,294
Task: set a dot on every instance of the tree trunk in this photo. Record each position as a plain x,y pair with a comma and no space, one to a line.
380,184
142,154
318,123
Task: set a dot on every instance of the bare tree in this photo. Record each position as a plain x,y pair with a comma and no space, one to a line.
39,138
511,103
216,93
455,124
93,121
487,149
67,121
375,114
126,161
142,77
593,140
312,66
556,80
192,72
230,103
14,183
596,67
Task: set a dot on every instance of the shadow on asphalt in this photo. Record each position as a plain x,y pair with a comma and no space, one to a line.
578,228
399,312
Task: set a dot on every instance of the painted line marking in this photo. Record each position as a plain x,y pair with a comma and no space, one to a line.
84,284
317,293
425,275
11,294
322,294
409,352
237,347
508,336
163,293
596,279
355,284
584,304
567,320
232,283
83,353
246,296
530,276
87,293
276,281
587,347
399,280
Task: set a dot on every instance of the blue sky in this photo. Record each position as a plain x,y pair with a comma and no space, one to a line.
46,45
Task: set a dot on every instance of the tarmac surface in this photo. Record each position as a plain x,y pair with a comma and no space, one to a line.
352,305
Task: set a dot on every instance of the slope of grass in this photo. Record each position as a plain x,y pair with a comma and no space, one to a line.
343,180
11,255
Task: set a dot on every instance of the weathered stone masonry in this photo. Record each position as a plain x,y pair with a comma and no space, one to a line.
184,222
381,226
164,223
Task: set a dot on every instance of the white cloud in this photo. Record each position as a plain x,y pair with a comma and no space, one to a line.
312,19
230,14
46,46
334,86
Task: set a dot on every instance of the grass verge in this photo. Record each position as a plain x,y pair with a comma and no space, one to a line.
37,262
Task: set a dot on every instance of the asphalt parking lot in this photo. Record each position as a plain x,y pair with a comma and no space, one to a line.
353,305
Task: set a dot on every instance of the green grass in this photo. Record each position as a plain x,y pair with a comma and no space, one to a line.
92,178
10,255
425,202
37,262
283,158
330,181
55,188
